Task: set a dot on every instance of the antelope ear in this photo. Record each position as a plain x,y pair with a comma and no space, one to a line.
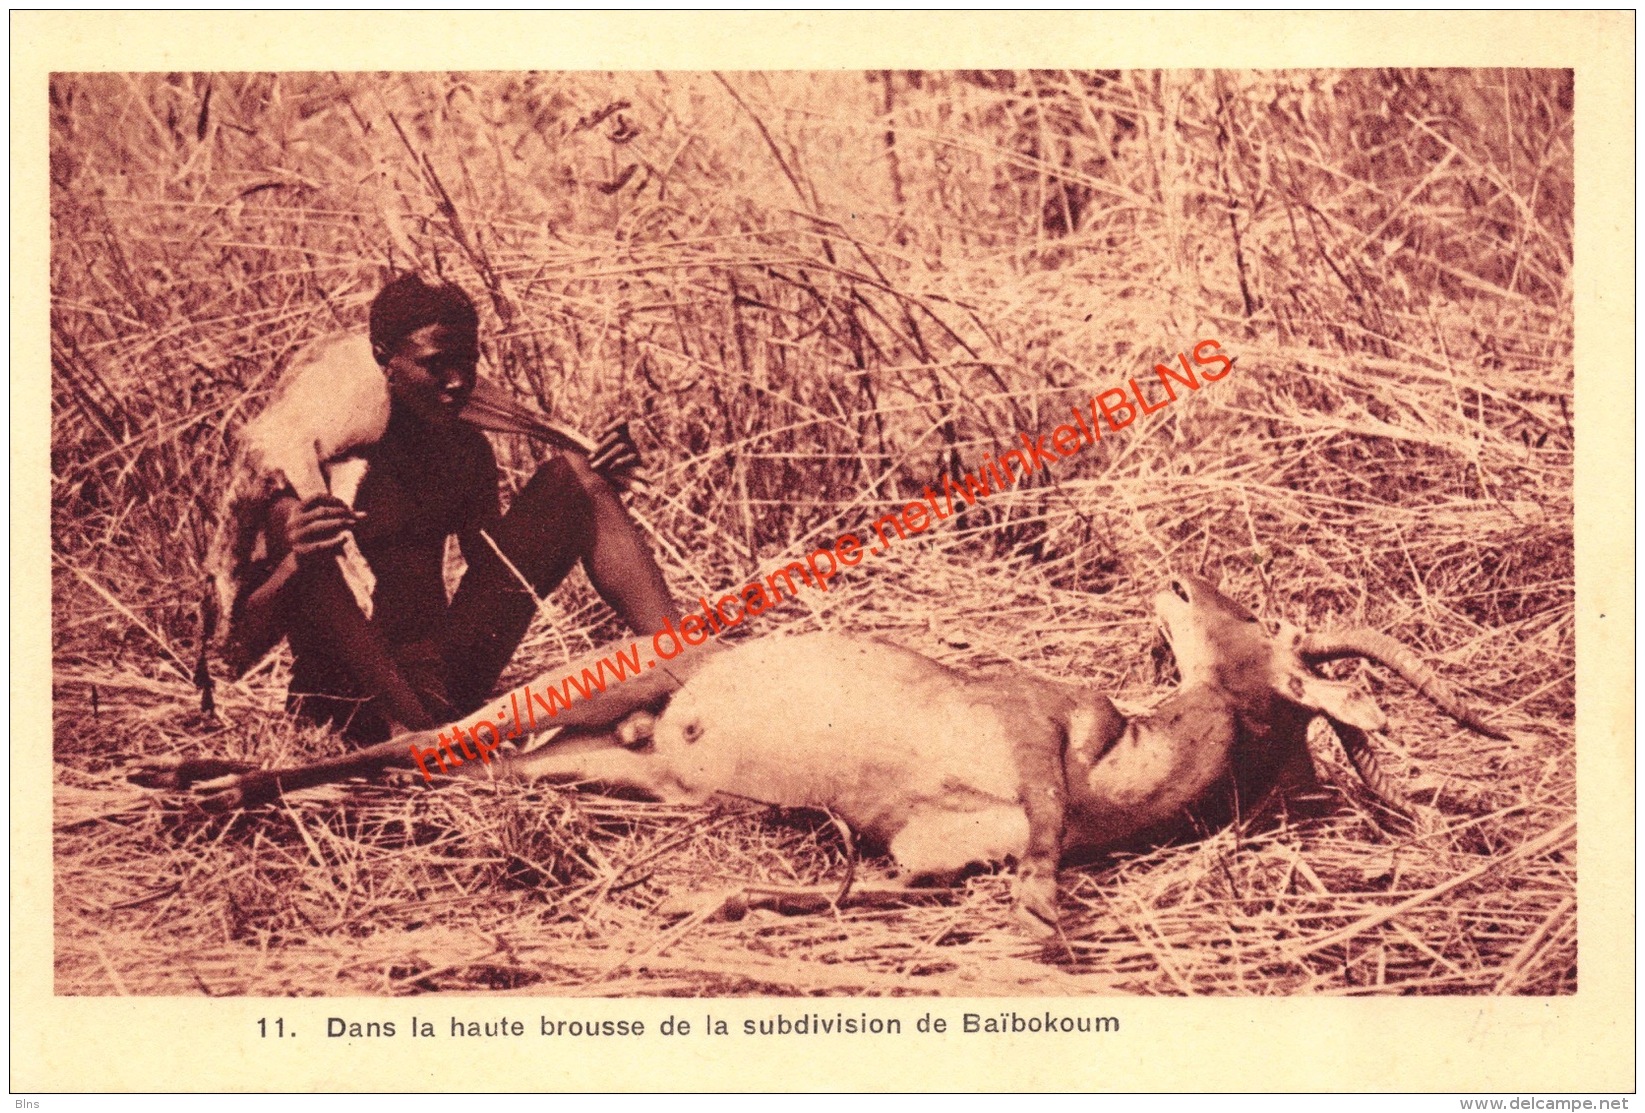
1337,699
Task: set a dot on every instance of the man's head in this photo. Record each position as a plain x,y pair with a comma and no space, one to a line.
427,340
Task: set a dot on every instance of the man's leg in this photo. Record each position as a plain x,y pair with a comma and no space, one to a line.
557,519
619,562
544,534
327,628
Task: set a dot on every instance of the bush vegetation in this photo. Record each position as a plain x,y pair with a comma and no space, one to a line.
813,294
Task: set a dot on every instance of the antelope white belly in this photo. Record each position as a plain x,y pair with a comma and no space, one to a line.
828,721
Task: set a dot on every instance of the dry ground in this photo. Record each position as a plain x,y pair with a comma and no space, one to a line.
815,294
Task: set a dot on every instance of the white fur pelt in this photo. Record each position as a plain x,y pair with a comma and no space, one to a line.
331,401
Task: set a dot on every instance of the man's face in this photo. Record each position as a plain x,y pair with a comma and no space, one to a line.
432,373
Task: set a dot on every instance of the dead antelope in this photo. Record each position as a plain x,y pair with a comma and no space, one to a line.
946,770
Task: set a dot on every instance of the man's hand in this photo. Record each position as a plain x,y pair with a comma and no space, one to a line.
314,526
615,457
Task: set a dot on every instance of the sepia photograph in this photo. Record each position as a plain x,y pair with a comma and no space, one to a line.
826,534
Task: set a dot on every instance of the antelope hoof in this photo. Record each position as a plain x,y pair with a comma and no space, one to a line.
242,790
182,773
1036,907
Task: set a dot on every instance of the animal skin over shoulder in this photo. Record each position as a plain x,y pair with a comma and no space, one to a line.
332,400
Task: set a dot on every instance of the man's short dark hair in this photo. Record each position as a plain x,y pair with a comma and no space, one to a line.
408,304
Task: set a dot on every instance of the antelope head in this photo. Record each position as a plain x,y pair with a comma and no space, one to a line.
1270,676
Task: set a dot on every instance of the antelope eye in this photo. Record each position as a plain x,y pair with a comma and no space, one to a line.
1180,591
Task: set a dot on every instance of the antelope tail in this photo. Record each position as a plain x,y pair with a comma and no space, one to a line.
1379,647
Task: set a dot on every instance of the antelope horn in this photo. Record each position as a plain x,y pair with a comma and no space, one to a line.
1358,747
1379,647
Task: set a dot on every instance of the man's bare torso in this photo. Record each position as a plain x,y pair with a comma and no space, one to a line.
421,489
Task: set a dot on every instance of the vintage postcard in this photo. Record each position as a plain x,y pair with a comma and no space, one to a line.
807,551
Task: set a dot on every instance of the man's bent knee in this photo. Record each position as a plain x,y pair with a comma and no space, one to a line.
556,495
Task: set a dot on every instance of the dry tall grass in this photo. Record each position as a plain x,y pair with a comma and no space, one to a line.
816,293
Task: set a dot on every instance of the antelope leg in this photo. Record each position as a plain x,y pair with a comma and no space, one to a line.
183,772
598,758
734,904
259,786
1044,798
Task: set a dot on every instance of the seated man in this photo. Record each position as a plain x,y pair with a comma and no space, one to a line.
418,661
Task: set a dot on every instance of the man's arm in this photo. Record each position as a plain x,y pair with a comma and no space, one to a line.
304,536
295,531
